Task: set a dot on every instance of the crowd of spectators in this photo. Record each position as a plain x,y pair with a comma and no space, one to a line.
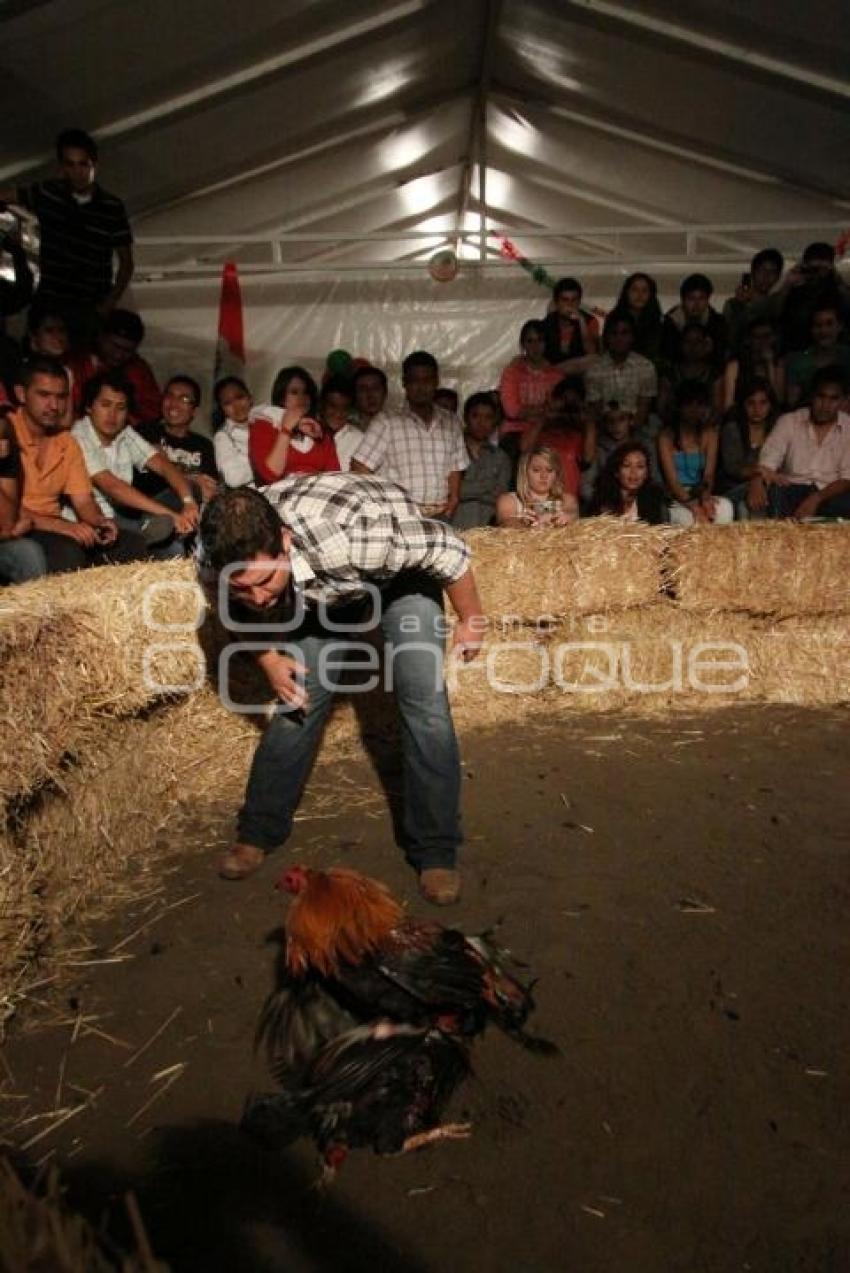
700,414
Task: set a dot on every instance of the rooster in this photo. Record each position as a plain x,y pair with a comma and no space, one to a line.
348,933
369,1029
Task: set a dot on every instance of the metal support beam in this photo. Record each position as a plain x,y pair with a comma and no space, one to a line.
478,120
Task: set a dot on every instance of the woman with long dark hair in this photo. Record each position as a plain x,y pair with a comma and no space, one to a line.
286,437
741,439
625,487
639,299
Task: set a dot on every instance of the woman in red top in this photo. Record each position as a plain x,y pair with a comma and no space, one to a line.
285,437
527,383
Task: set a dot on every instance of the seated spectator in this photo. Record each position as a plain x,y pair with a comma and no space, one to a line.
568,428
526,384
639,300
82,229
625,487
420,446
117,349
488,474
757,297
687,450
694,307
804,465
191,452
758,358
336,408
741,440
286,437
447,399
54,470
230,440
571,332
540,499
370,394
113,451
826,350
21,558
810,286
617,426
48,337
621,375
694,361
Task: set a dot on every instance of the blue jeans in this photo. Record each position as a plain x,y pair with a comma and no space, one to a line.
783,501
412,614
20,560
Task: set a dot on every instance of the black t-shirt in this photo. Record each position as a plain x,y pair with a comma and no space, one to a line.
10,464
192,454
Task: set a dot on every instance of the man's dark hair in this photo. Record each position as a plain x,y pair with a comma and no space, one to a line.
567,285
369,371
532,325
40,310
695,283
617,318
107,380
180,379
284,378
238,525
487,398
419,358
768,256
451,394
77,139
337,384
829,376
819,252
124,323
41,365
570,384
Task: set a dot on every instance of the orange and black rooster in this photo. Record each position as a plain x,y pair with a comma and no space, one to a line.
368,1032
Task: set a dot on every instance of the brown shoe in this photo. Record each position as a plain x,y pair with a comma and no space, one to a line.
440,885
240,861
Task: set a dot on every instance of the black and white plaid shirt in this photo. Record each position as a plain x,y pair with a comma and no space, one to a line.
348,528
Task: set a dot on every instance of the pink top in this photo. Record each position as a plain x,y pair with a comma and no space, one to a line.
522,387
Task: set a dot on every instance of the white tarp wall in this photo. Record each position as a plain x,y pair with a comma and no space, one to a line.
471,324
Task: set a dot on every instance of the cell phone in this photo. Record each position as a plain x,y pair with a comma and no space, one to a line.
746,280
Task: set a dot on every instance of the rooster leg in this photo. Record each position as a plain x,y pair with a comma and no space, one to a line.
448,1131
335,1156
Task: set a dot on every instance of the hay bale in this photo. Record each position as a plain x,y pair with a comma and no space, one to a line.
39,1230
762,568
598,564
665,659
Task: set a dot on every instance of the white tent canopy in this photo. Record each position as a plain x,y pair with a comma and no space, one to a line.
313,141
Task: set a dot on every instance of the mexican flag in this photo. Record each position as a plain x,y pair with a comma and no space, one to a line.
230,346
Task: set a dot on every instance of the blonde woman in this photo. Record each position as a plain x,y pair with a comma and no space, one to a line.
540,499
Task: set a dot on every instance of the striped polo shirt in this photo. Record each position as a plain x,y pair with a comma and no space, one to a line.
78,238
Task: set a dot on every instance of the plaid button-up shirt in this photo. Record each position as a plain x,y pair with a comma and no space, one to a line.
348,528
418,456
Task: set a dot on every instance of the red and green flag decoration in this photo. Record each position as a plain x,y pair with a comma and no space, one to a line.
511,252
230,346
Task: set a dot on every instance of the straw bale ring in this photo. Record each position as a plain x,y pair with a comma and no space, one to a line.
598,564
764,568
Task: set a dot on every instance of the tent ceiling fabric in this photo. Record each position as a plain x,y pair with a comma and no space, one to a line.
311,117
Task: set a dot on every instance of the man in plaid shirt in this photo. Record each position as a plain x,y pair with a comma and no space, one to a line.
421,446
314,557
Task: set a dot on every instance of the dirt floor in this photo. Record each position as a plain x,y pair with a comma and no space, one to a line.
681,890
